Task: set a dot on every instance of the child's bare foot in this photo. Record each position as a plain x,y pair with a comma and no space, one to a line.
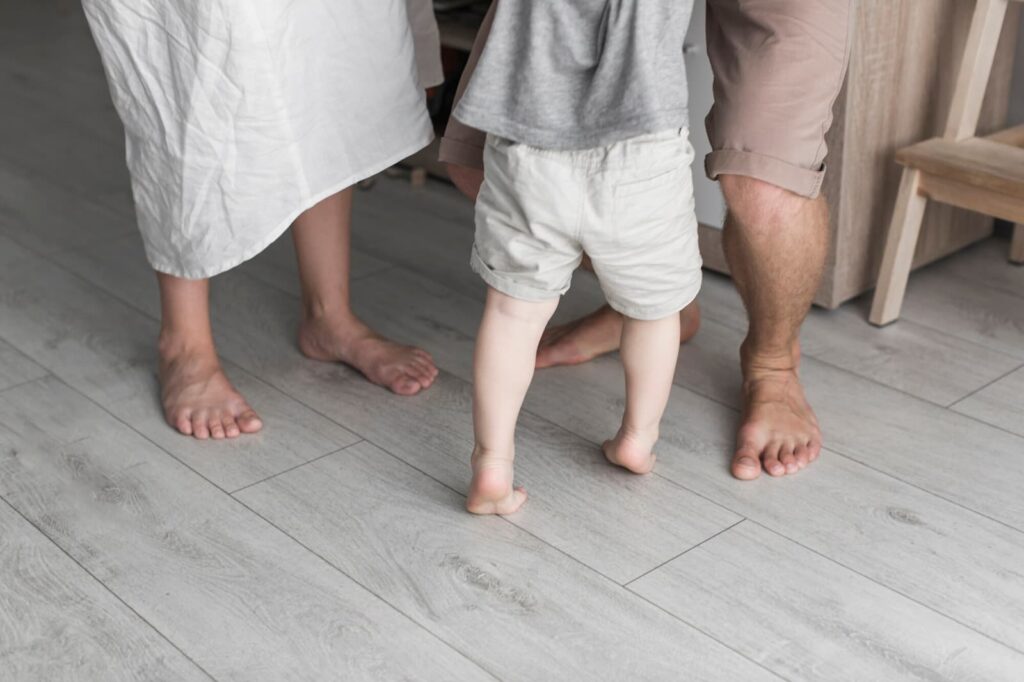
491,491
631,450
403,369
197,397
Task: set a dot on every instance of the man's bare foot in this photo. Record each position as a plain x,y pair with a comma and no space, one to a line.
197,397
403,369
598,333
632,450
780,431
491,491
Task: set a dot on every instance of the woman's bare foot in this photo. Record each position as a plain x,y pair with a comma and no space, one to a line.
403,369
491,491
598,333
197,397
631,449
779,431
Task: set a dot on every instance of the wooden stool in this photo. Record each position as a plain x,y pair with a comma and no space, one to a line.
984,174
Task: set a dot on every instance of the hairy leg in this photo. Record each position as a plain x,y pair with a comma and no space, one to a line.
197,397
649,352
776,244
330,331
502,371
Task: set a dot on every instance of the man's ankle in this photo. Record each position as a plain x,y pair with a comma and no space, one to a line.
766,359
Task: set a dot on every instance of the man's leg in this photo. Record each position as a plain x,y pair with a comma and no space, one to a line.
330,331
778,67
776,243
197,397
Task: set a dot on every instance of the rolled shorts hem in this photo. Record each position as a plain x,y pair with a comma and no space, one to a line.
510,287
650,313
796,179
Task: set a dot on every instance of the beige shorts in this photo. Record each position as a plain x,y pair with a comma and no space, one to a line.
628,205
778,65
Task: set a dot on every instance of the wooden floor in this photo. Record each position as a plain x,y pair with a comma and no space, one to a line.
334,544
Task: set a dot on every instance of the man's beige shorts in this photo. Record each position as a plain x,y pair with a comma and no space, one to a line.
778,65
628,205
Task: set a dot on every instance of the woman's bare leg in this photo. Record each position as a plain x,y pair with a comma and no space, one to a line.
197,397
330,331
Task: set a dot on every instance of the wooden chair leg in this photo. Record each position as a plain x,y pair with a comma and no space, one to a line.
899,249
1017,245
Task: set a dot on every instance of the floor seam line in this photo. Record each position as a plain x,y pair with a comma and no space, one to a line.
684,552
293,468
888,588
106,588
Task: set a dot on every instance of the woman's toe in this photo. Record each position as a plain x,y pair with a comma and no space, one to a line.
249,422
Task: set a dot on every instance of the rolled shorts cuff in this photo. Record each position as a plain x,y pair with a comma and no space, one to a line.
796,179
649,313
509,286
461,153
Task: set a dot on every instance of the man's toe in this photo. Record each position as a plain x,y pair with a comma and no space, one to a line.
771,460
745,464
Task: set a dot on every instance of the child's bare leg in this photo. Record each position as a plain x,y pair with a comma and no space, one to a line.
502,370
649,352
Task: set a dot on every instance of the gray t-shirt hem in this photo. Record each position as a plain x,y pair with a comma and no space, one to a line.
569,139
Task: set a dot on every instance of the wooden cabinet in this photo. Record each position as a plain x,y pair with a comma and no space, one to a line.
902,70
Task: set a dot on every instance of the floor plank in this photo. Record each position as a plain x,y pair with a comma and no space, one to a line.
58,623
578,497
806,618
1000,404
526,611
962,308
902,356
45,218
240,598
107,350
16,368
912,439
985,263
938,553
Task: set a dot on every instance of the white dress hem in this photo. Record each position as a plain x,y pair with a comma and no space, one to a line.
282,227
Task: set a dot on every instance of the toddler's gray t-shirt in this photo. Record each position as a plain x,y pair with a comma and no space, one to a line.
575,74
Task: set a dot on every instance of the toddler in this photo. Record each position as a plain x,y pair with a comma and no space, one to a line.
584,105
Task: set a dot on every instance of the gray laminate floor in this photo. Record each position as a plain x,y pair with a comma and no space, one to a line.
334,544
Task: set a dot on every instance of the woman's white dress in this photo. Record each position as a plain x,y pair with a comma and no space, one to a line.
241,114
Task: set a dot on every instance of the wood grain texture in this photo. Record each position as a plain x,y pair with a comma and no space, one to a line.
975,68
240,598
902,356
45,217
898,92
977,162
900,244
1000,403
58,623
107,350
16,368
897,534
806,618
984,263
964,309
521,609
914,440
